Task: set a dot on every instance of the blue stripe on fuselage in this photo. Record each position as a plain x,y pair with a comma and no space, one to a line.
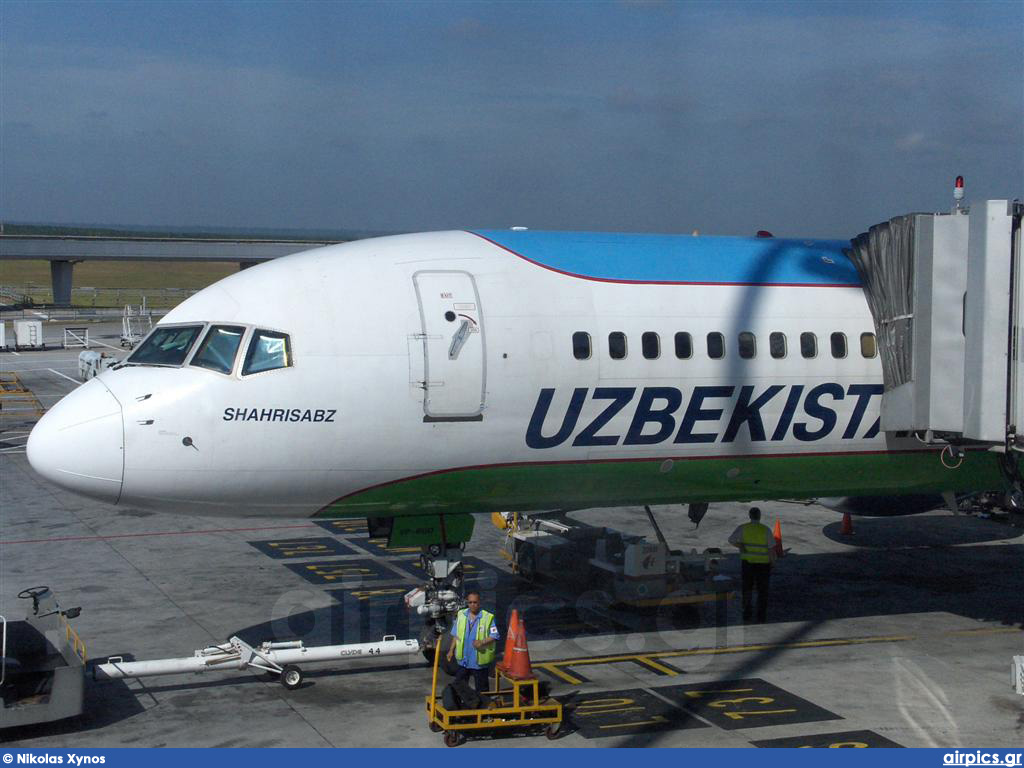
683,258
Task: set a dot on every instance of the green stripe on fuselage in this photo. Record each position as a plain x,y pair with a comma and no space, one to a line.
580,485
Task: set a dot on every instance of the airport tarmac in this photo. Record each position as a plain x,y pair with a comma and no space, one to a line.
901,635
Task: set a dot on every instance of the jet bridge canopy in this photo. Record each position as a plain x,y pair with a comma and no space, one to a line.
947,296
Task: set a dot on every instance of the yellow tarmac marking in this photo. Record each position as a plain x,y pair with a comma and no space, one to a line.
656,666
559,673
740,715
558,667
732,649
982,631
653,721
582,713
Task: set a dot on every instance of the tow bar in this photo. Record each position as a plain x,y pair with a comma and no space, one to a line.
277,659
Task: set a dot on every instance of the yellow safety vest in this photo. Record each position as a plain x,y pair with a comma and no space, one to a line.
485,655
756,542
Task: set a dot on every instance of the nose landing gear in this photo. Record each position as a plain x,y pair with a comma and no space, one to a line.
440,598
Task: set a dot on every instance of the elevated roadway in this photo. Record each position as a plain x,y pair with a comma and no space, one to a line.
63,251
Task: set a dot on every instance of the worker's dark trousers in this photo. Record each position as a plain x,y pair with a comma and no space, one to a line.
755,576
480,677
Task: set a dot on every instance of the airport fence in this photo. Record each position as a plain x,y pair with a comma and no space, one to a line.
74,314
32,294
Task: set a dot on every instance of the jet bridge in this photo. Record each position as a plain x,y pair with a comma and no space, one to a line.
946,292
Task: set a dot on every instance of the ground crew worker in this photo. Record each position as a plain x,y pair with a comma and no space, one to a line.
474,642
757,554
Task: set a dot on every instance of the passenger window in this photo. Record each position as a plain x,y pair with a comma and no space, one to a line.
684,346
716,345
218,350
581,345
777,345
650,345
868,345
267,350
808,344
838,345
166,346
617,345
748,345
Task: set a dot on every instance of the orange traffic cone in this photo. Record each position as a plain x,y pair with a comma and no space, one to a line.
846,529
513,628
777,535
519,667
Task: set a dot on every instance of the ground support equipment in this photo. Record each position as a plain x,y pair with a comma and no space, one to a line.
279,659
633,571
41,664
513,704
15,398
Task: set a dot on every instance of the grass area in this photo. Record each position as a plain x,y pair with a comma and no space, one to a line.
15,229
107,275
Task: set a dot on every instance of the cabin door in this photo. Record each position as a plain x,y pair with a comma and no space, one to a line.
453,346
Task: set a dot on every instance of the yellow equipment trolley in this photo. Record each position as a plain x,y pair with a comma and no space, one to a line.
513,704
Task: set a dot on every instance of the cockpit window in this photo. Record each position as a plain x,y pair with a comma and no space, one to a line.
218,350
267,350
166,346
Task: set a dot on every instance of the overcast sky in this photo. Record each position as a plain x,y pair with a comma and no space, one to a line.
815,119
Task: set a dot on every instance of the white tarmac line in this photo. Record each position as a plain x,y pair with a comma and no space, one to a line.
36,370
108,346
76,382
48,359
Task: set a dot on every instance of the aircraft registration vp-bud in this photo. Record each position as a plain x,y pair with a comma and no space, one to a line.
658,414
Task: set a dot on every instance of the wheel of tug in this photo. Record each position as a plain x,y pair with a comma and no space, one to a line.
291,677
25,594
435,727
452,739
553,731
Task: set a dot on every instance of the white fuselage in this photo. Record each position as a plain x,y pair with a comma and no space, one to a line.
384,385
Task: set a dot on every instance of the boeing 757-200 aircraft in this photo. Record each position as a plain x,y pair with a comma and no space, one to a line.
501,370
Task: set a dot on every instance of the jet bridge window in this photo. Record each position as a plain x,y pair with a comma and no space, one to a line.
617,345
651,345
684,345
166,346
716,345
218,350
808,345
868,345
838,341
581,345
267,350
747,345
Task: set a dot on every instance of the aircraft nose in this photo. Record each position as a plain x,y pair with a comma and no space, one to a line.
79,443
